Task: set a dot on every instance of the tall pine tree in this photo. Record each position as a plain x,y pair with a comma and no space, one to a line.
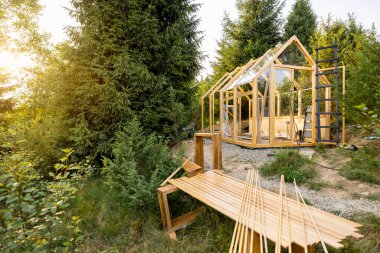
301,22
125,59
257,29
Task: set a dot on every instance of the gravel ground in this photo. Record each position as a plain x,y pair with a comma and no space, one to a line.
236,161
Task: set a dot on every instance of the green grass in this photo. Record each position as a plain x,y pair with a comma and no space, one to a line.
317,186
364,165
292,165
108,226
370,243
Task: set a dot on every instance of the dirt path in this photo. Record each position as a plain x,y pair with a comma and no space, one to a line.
340,196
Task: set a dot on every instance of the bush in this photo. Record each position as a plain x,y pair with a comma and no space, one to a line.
290,164
140,164
364,165
32,208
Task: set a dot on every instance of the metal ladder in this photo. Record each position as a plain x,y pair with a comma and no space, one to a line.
334,85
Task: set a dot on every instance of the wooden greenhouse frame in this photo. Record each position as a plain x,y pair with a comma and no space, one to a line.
255,89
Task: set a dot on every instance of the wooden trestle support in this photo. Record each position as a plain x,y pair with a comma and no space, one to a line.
260,214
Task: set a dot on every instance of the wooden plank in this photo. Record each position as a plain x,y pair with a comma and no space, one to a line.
186,219
293,209
221,198
285,66
204,135
176,171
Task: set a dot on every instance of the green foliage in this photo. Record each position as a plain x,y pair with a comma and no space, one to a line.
317,186
369,243
256,30
301,22
364,165
108,226
31,207
290,164
363,87
126,59
141,163
349,35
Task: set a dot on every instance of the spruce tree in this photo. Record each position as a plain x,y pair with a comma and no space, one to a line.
301,22
126,59
257,29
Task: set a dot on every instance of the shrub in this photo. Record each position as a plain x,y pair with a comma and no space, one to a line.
31,207
140,164
364,165
292,165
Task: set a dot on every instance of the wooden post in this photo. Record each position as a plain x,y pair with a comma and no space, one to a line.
254,111
199,153
211,124
240,127
313,105
343,109
256,242
272,105
299,249
299,103
235,114
291,128
217,152
221,111
202,115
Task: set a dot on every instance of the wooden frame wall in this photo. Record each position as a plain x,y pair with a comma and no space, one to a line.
226,96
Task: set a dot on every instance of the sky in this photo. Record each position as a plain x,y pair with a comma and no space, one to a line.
54,18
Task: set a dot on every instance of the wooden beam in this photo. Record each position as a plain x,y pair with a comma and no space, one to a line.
343,109
176,171
202,115
272,105
282,66
217,152
254,111
239,116
221,111
199,153
234,135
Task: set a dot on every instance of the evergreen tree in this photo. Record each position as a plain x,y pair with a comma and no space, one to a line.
349,35
257,29
301,22
363,86
126,58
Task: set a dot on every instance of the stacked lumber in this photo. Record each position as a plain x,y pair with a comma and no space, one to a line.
271,216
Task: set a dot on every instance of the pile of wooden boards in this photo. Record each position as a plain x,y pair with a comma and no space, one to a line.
294,223
295,226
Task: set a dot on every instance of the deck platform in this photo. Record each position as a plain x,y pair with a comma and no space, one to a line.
223,193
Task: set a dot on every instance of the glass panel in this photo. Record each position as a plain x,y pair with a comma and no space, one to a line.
250,73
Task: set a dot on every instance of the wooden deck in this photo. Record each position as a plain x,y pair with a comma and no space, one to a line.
223,193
